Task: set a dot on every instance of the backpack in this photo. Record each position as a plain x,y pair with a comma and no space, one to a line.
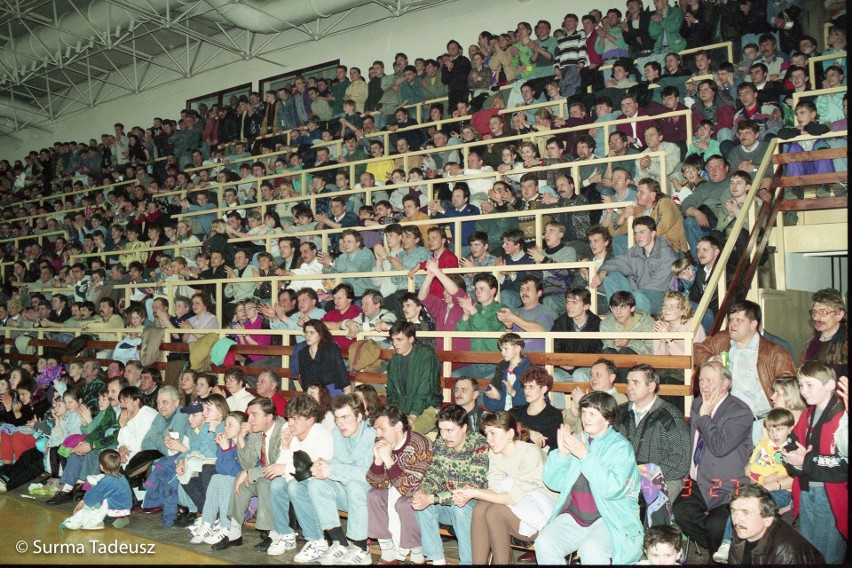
364,356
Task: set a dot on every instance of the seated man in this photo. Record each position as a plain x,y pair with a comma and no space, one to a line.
304,432
340,483
260,450
414,378
578,318
531,316
656,429
602,377
624,317
373,316
353,258
761,532
514,253
720,428
460,459
645,270
401,458
480,316
555,282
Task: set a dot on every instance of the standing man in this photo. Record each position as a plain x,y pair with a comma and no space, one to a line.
454,72
460,459
828,314
401,458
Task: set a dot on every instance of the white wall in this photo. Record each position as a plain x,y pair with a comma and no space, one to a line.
422,33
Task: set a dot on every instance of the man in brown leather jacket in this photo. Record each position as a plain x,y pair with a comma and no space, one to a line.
754,360
762,538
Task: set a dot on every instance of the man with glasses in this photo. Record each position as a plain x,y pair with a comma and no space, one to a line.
828,314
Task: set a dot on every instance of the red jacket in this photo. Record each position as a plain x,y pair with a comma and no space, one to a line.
823,463
446,260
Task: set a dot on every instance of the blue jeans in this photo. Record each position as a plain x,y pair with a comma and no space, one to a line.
619,245
562,536
694,231
648,301
329,496
707,320
305,513
818,525
459,517
511,299
782,499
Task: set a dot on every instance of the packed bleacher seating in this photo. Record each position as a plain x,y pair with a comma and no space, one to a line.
487,289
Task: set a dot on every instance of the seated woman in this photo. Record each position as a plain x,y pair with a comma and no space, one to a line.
321,361
597,513
538,417
505,390
370,398
202,318
321,394
675,315
187,383
516,502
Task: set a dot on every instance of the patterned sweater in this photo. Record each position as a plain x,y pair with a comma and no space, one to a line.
452,469
410,464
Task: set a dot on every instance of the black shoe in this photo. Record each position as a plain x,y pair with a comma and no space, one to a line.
77,493
263,545
60,498
227,543
185,519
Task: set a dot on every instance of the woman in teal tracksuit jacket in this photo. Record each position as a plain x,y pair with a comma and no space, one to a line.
609,465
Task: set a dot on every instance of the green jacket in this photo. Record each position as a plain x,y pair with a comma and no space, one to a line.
610,467
102,431
485,319
671,25
420,388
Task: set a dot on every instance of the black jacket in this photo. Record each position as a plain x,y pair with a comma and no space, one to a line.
564,323
780,544
639,39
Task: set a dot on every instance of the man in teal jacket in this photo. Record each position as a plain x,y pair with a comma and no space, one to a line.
597,513
414,378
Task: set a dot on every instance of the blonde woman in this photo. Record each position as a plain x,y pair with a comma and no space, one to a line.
675,315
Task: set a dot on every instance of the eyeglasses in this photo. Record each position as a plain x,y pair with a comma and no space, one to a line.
821,312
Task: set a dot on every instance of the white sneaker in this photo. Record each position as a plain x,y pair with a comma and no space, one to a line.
204,531
721,555
2,486
335,554
216,536
357,557
312,551
282,544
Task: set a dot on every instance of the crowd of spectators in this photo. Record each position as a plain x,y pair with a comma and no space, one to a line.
527,467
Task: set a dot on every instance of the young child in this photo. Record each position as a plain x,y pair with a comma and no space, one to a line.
684,273
703,142
108,500
766,467
750,53
221,486
506,390
691,169
663,546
